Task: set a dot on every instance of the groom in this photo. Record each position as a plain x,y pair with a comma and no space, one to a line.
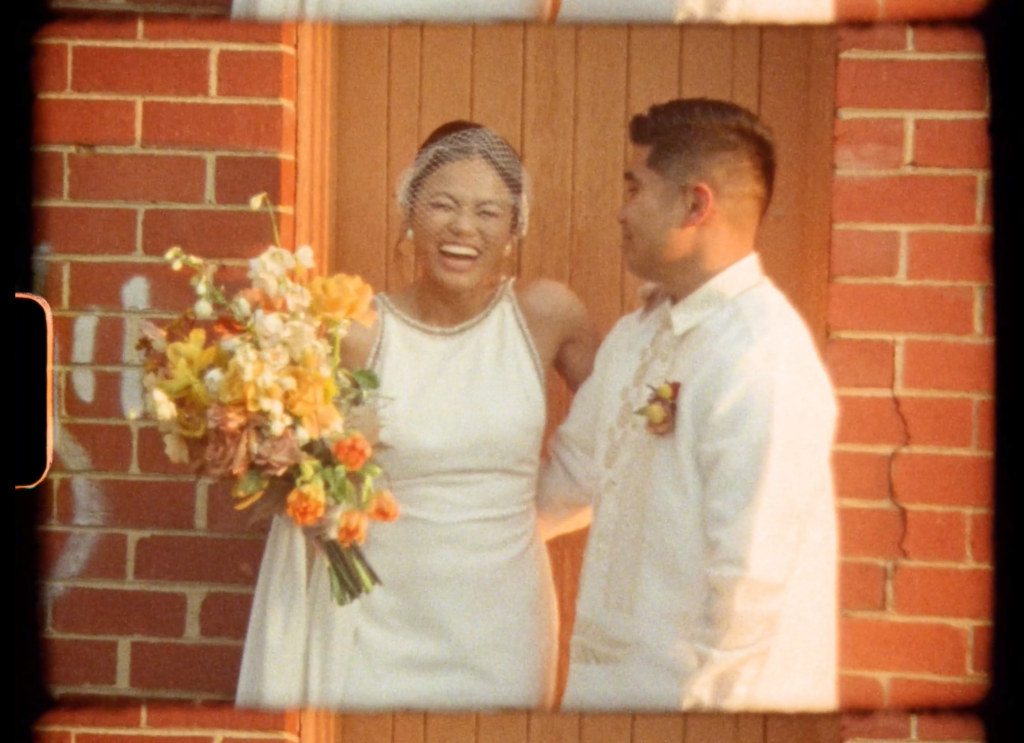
701,446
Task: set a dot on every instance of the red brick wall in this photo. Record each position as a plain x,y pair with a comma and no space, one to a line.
154,132
911,350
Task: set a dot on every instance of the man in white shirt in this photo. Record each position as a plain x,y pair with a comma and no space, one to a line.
709,578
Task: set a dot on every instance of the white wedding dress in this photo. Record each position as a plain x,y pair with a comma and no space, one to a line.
466,616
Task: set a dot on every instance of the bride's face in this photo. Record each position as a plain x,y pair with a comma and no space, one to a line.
462,223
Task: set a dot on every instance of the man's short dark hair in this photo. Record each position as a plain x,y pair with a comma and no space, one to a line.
696,138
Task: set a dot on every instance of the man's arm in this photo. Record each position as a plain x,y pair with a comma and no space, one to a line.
763,452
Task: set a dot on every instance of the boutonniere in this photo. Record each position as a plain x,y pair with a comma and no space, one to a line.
660,410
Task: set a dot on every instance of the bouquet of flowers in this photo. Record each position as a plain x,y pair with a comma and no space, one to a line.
251,387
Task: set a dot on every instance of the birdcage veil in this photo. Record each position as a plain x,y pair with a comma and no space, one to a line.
473,142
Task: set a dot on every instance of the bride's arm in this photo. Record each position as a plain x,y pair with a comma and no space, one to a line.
561,328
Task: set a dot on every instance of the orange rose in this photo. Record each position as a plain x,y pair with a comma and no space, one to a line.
353,527
384,507
306,504
353,451
342,297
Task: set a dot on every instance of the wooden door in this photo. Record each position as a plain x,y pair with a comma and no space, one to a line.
563,97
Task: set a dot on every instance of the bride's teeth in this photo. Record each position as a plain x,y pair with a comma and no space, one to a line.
460,251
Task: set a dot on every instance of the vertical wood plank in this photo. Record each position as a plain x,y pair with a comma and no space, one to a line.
658,729
446,77
706,64
599,162
746,77
606,728
409,727
546,727
497,92
653,78
362,193
403,141
360,728
505,727
320,726
710,728
450,728
750,729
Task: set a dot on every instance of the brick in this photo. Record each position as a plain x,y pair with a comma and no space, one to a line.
49,68
864,253
888,37
862,586
94,715
937,421
89,122
222,517
225,615
986,205
950,726
936,535
241,234
860,363
961,367
948,38
198,559
950,256
218,717
862,144
137,178
108,447
182,667
142,737
951,144
932,85
989,313
177,29
869,420
253,74
876,726
259,128
107,347
93,28
52,280
943,592
106,400
911,693
906,199
860,693
51,736
910,647
982,546
986,422
80,662
152,457
134,504
931,9
870,532
935,479
75,230
48,175
981,660
107,557
854,11
908,309
99,285
240,178
861,476
122,613
178,72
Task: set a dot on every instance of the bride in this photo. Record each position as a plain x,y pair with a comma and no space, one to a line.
466,616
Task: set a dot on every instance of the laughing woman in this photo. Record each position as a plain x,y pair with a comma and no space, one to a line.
466,616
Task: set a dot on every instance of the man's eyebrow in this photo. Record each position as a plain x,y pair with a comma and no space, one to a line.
629,176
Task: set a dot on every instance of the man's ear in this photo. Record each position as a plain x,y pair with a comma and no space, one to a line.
698,202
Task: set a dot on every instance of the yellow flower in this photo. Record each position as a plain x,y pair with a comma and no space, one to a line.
312,400
342,297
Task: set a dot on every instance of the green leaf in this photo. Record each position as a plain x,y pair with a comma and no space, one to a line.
366,379
250,484
372,471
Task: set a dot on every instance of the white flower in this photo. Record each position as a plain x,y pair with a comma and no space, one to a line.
269,326
241,307
304,256
297,297
298,337
156,336
302,435
213,380
265,280
276,359
176,448
230,343
163,405
203,309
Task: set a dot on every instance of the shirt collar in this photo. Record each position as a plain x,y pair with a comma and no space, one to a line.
714,294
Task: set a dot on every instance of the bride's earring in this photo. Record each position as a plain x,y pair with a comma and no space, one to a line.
408,234
508,250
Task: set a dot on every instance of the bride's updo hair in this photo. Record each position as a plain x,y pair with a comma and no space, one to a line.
462,140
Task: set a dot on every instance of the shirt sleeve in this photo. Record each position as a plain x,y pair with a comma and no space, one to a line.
765,423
